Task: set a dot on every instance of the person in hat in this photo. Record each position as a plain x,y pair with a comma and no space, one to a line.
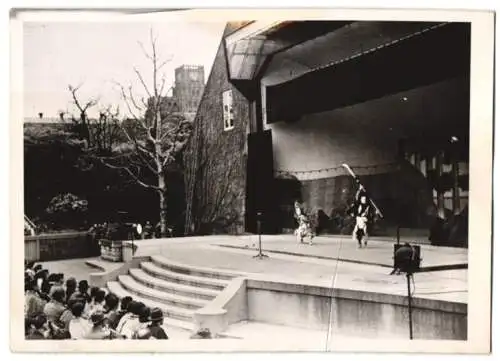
156,318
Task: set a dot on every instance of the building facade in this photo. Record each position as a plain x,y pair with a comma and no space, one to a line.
189,85
289,102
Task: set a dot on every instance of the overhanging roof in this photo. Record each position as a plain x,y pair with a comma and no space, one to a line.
441,52
249,48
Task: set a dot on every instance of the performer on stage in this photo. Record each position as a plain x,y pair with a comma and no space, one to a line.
361,209
304,228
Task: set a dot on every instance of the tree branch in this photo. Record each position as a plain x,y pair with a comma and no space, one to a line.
141,79
130,173
146,54
140,149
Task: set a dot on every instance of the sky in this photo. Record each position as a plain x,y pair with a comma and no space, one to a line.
95,55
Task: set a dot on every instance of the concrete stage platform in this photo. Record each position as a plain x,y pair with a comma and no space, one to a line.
330,261
378,252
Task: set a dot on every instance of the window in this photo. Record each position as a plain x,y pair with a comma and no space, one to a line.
227,103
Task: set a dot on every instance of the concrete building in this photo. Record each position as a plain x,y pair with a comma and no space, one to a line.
189,85
286,103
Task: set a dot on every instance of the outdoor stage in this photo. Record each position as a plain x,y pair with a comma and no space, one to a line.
333,261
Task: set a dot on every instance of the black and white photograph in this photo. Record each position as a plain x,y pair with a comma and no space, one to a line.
208,182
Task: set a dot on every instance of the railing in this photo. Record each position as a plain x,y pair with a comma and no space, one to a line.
56,246
28,224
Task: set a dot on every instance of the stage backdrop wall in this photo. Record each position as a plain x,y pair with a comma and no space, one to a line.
366,136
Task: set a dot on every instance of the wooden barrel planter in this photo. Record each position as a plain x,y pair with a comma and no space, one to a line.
111,250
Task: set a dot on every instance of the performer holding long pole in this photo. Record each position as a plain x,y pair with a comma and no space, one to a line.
361,209
362,188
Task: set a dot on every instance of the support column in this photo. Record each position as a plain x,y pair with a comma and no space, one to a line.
254,96
439,172
456,188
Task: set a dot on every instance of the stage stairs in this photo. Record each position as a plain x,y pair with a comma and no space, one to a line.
179,290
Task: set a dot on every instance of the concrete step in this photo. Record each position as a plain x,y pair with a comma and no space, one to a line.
196,271
174,288
181,302
182,321
179,278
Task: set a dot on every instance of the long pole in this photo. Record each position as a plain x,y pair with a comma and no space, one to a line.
356,178
259,232
410,323
260,254
133,248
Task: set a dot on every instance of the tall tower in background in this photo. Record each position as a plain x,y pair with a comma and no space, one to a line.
189,85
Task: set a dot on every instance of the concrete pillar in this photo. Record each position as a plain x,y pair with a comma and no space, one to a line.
212,318
456,188
439,172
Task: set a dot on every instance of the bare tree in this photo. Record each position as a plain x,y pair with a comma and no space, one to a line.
101,133
82,122
154,133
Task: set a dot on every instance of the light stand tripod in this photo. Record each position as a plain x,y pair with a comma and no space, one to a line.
407,259
410,321
259,255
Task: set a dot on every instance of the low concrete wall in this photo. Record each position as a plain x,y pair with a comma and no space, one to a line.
353,313
55,246
229,307
100,279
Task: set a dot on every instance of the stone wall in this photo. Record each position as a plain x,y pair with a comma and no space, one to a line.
353,313
216,158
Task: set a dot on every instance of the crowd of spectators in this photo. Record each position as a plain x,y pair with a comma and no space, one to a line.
56,308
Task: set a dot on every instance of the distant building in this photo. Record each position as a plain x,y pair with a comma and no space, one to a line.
41,119
189,85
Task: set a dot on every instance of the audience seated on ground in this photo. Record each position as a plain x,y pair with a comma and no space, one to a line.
55,310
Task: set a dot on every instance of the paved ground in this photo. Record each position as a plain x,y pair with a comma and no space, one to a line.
358,271
448,285
71,268
377,252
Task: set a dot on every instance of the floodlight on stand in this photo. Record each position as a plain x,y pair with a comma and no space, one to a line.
407,259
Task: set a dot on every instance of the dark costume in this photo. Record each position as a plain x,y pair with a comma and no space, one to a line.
362,213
